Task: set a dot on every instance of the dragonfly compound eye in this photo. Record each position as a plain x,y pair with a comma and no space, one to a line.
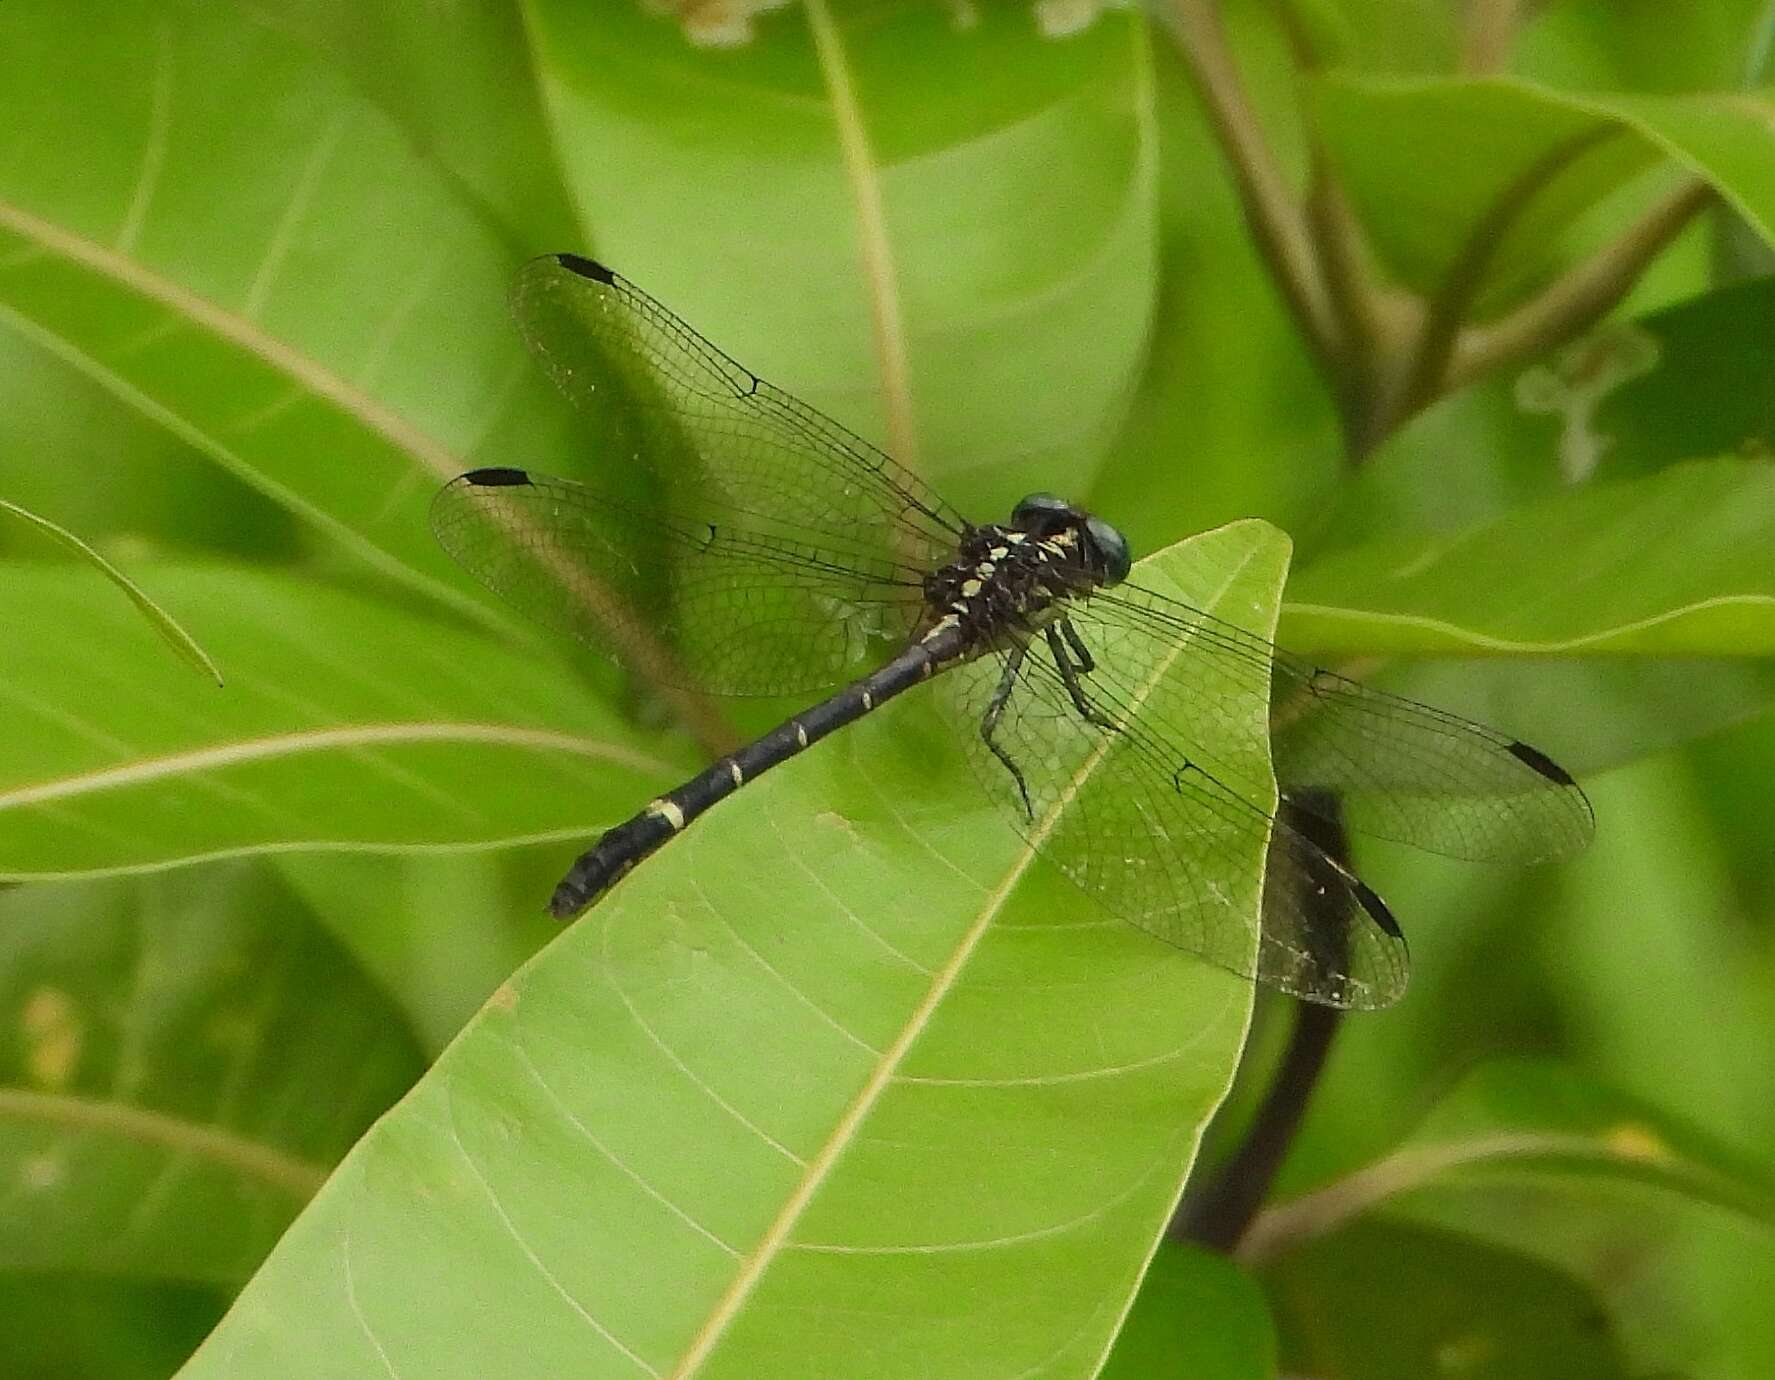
1118,560
1041,514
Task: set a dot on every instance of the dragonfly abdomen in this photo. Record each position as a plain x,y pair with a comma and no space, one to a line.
617,850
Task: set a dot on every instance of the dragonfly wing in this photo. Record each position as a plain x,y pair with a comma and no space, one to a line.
1400,770
711,441
727,608
1127,799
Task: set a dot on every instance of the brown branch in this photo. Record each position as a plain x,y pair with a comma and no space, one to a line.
1345,255
1278,224
1426,378
1491,29
1580,297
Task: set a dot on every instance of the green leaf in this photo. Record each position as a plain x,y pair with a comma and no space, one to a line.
1600,45
347,722
1710,390
1673,564
438,933
1630,399
459,80
1488,136
171,1038
902,217
162,622
1397,1303
1548,1163
1514,1121
1197,1317
54,1326
839,1074
283,286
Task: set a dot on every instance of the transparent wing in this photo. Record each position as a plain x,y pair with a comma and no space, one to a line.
1400,770
708,440
1134,805
722,607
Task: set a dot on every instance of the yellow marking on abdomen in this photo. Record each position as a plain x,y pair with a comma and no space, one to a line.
667,810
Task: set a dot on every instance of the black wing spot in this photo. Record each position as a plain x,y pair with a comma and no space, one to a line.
586,268
496,477
1376,908
1537,761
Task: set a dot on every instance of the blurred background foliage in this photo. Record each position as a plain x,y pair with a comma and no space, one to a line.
1471,298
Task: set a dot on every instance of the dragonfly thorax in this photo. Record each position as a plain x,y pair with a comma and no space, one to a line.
1006,580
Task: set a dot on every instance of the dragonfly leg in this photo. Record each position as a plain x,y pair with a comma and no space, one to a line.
1081,653
1069,675
989,722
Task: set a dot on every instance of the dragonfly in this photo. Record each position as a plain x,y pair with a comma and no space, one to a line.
744,543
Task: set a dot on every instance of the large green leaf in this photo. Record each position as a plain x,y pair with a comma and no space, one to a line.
282,285
952,221
1197,1317
1397,1303
1601,45
1511,1121
55,1326
1633,398
1487,137
1673,564
1710,389
346,722
842,1080
458,79
171,1041
1549,1163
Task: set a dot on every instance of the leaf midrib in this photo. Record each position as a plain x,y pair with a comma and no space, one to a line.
821,1164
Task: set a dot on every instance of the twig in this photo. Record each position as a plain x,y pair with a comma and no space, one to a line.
1491,29
1426,378
1345,255
1580,297
1279,1229
1278,225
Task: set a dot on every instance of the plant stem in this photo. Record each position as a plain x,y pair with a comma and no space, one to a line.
1491,28
1221,1216
1426,377
1278,225
1580,297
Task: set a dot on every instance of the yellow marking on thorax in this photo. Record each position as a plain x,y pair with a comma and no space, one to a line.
667,810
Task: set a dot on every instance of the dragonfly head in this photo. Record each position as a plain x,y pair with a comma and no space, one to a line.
1105,549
